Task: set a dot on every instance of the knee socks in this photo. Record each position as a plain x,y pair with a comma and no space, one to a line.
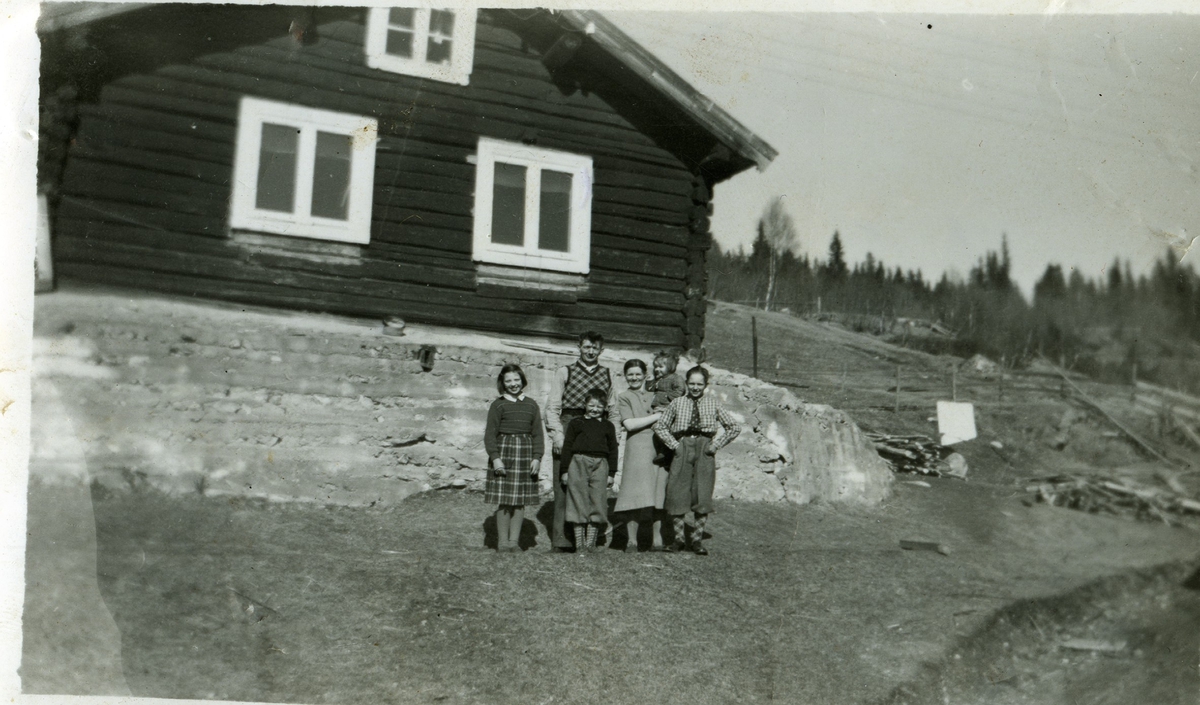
580,544
592,530
677,523
698,533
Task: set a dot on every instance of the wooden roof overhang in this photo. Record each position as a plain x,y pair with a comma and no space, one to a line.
587,51
734,135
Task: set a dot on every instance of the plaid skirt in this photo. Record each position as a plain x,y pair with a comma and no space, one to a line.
516,487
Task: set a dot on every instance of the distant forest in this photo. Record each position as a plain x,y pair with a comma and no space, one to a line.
1111,328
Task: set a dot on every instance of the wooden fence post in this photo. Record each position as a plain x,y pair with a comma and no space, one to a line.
897,389
1001,383
754,342
954,383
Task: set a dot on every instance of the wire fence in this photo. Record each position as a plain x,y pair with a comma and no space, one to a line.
866,375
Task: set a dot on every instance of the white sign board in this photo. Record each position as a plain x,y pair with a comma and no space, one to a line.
956,421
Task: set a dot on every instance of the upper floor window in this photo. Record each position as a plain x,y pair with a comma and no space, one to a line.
303,172
424,42
533,207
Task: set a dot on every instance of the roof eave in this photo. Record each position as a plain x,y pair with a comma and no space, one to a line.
61,15
723,126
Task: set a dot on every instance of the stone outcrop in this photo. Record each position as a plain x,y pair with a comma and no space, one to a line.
795,451
212,399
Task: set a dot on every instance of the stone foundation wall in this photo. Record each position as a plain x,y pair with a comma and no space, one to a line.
213,399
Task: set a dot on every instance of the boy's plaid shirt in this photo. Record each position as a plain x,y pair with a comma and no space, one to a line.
677,418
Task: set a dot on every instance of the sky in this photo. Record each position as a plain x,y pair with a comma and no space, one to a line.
924,138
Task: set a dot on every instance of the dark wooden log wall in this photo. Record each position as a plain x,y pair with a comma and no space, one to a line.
146,193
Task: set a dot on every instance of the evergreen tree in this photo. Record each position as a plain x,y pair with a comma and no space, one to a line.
1114,277
836,266
1051,287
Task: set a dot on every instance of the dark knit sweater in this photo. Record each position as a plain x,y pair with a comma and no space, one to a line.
516,417
594,437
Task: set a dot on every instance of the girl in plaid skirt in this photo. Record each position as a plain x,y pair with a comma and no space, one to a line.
514,443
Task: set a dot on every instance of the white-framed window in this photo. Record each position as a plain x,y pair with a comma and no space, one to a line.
533,207
303,172
422,41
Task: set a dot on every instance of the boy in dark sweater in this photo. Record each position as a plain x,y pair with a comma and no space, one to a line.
589,458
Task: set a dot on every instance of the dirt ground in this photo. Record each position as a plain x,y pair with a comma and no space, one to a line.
237,599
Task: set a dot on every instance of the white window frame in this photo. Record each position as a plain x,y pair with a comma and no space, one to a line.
578,257
462,53
363,132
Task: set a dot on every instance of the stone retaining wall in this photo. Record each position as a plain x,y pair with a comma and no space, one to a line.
214,399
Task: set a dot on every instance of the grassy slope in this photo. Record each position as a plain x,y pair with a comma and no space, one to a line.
826,364
1019,658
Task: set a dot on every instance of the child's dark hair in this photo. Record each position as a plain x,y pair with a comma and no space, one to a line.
591,336
670,358
629,365
597,394
697,370
505,370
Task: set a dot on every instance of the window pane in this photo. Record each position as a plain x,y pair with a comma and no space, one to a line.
441,30
401,17
276,190
438,51
331,176
400,43
441,22
508,205
554,228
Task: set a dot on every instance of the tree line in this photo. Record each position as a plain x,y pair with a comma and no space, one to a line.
1114,327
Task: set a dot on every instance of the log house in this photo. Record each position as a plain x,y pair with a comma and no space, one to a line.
510,171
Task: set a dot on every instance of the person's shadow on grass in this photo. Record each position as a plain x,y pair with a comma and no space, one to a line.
545,517
490,535
527,539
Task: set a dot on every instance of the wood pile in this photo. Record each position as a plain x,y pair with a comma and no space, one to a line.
1097,494
913,454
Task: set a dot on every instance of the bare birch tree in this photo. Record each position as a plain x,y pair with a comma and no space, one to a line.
779,231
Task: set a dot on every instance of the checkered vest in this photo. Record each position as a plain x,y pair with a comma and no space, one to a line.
580,382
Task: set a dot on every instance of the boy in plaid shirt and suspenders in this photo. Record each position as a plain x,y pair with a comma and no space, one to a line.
695,427
565,401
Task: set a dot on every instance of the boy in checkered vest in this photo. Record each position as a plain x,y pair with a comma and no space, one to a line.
566,401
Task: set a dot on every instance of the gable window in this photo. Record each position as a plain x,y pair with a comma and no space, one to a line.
303,172
425,42
533,207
